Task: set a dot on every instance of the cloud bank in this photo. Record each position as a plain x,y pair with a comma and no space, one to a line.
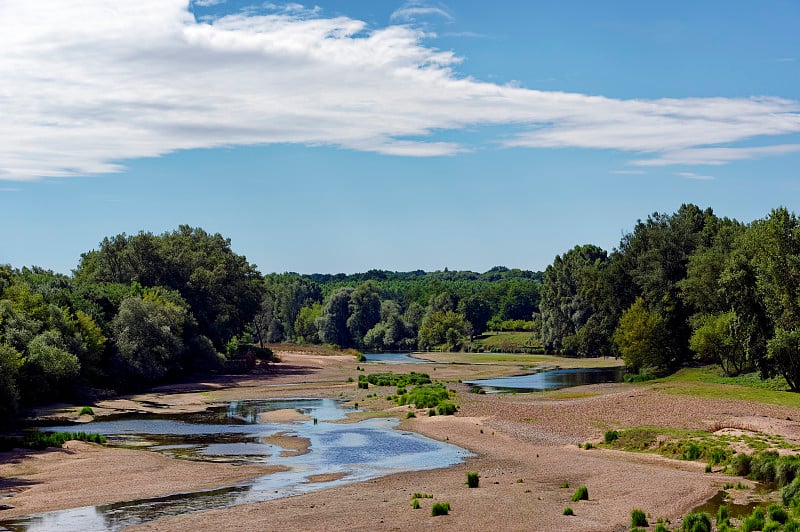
88,84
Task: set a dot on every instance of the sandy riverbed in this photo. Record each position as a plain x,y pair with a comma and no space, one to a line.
525,449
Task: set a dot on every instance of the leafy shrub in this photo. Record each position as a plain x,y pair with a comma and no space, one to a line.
790,492
398,379
568,511
473,479
638,517
425,396
431,412
446,408
696,522
762,466
410,415
440,508
581,494
741,464
691,452
364,385
787,469
777,513
86,410
722,515
611,436
755,521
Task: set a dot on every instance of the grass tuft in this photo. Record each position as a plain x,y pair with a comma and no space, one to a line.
581,494
440,508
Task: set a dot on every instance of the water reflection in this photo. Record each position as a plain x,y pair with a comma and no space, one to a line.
394,358
346,452
550,380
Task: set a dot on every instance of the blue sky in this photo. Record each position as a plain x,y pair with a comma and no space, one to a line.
342,136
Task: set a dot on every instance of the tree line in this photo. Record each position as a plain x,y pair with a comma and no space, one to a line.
681,288
146,309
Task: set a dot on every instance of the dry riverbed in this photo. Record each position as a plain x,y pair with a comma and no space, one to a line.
525,446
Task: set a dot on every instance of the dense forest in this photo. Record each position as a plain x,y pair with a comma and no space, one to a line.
680,288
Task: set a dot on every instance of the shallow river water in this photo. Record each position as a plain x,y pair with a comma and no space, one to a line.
348,452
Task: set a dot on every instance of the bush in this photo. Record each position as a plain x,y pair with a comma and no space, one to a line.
786,469
415,504
722,515
568,511
425,396
777,513
638,517
440,508
611,436
790,492
410,415
696,522
86,410
762,466
42,440
741,464
581,494
473,479
692,452
446,408
661,527
755,521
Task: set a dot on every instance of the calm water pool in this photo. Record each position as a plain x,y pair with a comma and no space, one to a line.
550,380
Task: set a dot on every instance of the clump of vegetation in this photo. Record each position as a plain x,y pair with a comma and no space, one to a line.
777,513
581,494
86,410
446,408
415,504
396,379
440,508
588,445
564,485
568,511
42,440
418,495
410,415
611,436
696,522
638,517
425,396
362,384
473,479
755,521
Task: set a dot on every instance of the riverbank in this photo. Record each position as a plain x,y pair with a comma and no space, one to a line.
526,449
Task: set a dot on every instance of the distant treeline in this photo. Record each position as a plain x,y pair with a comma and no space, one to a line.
145,309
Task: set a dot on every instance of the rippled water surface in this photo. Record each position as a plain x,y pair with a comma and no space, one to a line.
349,452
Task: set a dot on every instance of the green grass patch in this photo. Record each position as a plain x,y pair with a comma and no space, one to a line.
568,511
395,379
42,440
581,494
473,479
708,383
425,396
638,517
86,410
440,508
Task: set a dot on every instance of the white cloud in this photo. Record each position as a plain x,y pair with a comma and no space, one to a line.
692,175
88,84
207,3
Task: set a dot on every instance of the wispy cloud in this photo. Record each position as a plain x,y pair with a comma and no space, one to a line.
83,92
413,11
716,156
692,175
207,3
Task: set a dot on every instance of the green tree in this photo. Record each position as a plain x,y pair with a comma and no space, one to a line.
305,326
10,363
147,335
640,337
447,330
49,370
365,311
332,324
477,312
783,350
718,339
